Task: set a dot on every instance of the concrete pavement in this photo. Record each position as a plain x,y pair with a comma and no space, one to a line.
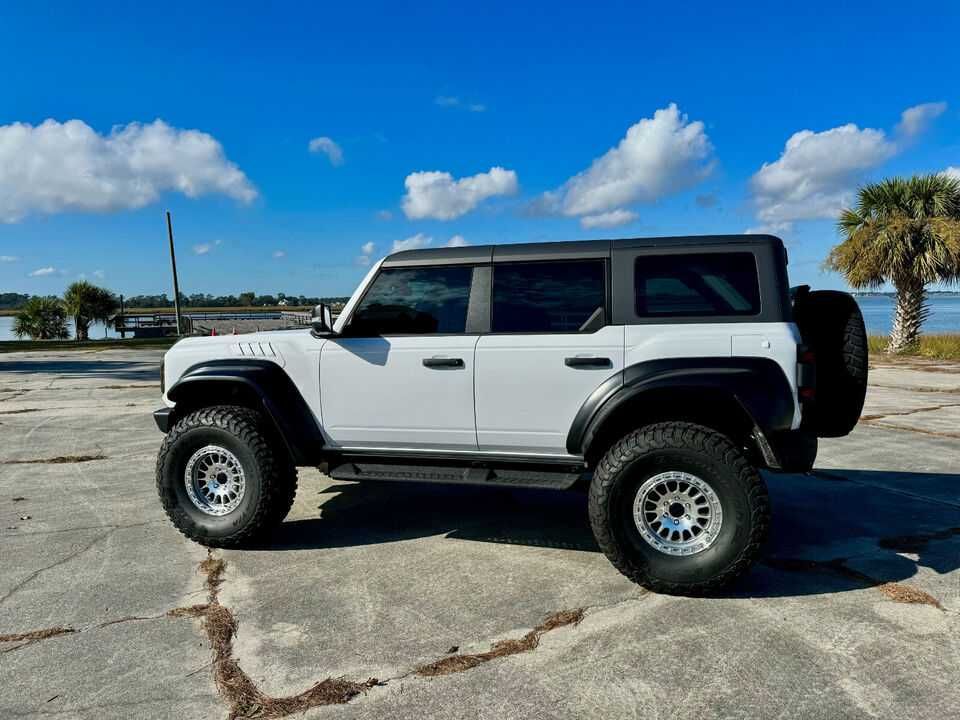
854,612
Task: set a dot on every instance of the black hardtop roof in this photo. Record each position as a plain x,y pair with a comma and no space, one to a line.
560,250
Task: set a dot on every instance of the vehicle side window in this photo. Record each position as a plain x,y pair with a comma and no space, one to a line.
417,301
549,297
693,285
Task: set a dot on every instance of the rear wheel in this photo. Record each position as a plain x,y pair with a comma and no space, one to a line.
677,508
222,477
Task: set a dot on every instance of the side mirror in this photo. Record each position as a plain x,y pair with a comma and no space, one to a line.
321,320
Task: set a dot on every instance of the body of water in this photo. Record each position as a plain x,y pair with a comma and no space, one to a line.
96,330
877,314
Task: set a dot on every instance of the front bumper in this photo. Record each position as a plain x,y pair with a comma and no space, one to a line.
164,418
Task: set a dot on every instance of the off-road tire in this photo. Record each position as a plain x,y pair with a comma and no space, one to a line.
702,452
831,325
270,476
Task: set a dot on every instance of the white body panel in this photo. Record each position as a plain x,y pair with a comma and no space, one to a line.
527,397
514,394
296,351
376,392
777,341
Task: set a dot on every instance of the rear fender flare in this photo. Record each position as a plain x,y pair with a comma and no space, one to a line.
757,385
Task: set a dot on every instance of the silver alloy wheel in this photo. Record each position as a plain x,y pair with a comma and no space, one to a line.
215,481
677,513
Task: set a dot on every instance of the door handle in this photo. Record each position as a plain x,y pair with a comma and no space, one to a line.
443,362
588,362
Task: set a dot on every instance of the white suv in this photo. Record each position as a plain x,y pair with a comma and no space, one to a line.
665,371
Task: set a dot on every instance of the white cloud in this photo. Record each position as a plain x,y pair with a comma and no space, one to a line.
414,242
658,156
205,248
953,172
279,254
437,195
366,254
915,120
384,215
452,101
8,258
422,240
610,219
44,271
57,167
329,148
816,173
780,228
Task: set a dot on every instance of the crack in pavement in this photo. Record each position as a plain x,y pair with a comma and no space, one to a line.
60,531
931,408
898,592
245,700
57,460
837,477
530,641
36,573
904,428
919,388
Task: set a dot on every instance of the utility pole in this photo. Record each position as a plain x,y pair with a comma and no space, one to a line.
176,283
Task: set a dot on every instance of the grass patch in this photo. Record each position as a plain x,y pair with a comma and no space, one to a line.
945,346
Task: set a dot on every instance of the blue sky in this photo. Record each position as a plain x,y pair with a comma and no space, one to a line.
659,118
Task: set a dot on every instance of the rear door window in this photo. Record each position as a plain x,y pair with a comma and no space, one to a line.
694,285
414,301
549,297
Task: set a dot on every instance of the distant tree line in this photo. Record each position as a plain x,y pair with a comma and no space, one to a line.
244,299
15,301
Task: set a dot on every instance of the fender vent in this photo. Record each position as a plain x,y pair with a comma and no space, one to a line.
257,349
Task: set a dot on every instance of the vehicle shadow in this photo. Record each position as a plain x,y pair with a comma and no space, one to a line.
831,532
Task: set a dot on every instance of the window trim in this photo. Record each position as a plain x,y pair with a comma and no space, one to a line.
669,317
604,259
345,334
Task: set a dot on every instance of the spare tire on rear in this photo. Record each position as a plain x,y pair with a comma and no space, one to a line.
831,325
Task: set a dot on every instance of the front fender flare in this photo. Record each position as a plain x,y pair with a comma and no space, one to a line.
279,399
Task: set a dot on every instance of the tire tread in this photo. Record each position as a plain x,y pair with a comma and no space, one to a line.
676,435
278,475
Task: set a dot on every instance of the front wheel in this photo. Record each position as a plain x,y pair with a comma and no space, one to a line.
223,478
677,508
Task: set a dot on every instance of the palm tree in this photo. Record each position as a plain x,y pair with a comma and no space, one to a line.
88,303
42,318
906,232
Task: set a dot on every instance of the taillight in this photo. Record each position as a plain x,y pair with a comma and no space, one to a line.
806,373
